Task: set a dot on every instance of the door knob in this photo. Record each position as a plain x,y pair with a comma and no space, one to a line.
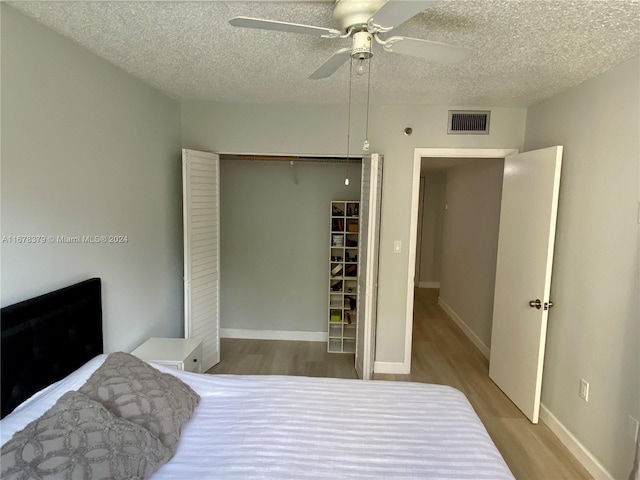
537,303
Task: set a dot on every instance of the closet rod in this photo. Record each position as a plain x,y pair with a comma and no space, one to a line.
296,159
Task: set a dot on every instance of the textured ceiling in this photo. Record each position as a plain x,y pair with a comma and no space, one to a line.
523,51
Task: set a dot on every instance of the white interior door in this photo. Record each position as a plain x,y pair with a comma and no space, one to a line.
370,202
523,275
201,212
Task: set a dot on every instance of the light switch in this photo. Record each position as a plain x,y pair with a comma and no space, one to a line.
397,246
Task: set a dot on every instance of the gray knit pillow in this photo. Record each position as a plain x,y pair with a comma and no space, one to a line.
78,438
135,391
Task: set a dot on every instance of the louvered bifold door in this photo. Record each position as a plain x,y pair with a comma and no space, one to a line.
370,205
201,211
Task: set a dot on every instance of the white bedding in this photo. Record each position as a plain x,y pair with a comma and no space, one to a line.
259,427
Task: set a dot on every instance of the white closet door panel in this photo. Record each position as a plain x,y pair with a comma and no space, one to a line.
203,261
202,198
370,204
202,285
204,167
203,256
204,239
203,243
205,211
365,188
203,306
202,267
202,252
200,230
203,230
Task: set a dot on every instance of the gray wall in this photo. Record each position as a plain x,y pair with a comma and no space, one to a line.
275,242
321,130
430,227
89,150
593,330
470,242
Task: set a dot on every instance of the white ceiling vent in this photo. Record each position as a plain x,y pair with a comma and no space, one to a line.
469,122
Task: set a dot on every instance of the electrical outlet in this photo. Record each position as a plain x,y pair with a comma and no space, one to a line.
584,390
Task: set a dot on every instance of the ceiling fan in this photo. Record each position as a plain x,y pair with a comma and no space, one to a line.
364,20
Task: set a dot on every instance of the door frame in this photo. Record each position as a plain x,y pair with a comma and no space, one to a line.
418,155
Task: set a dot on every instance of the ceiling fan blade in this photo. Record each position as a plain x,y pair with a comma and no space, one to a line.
395,12
329,67
248,22
434,51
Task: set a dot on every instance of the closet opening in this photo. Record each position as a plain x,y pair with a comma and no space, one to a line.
275,262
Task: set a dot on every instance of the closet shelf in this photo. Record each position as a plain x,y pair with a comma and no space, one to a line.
343,276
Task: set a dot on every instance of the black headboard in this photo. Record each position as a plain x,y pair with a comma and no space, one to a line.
46,338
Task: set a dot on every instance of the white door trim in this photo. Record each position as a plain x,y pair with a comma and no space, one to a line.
418,154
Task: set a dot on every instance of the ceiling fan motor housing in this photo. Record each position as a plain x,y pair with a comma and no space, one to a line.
355,13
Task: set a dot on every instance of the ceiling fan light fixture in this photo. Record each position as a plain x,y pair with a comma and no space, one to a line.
360,69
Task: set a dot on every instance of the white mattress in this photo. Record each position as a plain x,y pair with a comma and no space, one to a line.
258,427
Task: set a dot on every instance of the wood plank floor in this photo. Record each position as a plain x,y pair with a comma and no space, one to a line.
441,354
280,357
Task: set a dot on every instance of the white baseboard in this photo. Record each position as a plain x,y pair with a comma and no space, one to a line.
273,335
584,456
465,328
396,368
428,284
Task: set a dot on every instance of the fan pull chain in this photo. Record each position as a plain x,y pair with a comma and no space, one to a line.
346,166
365,145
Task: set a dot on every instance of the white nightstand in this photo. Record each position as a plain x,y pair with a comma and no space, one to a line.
179,353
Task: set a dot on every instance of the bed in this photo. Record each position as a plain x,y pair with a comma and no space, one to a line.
277,427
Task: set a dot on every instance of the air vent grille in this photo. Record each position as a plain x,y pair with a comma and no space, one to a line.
468,122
